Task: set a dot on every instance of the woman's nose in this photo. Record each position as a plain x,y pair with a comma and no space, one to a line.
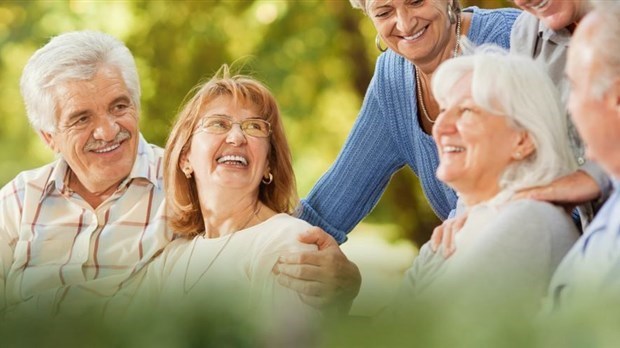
404,21
445,122
235,135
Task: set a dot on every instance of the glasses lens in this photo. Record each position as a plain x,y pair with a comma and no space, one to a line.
216,124
256,128
253,127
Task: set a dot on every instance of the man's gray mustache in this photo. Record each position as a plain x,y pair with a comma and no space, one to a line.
92,144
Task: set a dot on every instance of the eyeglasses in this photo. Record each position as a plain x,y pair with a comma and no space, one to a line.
254,127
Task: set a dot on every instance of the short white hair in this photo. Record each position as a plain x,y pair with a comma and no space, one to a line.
364,5
72,56
607,44
515,86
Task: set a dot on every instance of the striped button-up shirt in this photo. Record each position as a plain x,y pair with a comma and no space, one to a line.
54,247
590,272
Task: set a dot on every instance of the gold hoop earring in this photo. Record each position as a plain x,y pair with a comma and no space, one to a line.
451,14
378,43
268,181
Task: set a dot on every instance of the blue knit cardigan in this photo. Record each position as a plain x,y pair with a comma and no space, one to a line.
387,136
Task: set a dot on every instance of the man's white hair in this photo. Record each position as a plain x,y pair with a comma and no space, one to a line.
607,43
72,56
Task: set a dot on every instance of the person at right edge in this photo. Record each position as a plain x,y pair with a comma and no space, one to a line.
543,31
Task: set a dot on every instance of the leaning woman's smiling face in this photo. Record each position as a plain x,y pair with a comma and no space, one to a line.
418,30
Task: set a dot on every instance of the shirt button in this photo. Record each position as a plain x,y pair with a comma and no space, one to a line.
581,161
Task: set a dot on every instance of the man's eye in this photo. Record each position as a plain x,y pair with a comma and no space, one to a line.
415,2
80,121
120,107
382,14
465,111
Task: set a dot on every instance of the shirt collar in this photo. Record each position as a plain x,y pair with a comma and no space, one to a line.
145,168
560,37
616,183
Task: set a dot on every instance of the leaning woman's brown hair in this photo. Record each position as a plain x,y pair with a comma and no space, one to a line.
183,208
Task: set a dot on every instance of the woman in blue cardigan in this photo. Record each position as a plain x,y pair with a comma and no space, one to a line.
392,130
394,125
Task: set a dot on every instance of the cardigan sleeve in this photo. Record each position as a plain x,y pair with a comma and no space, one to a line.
350,189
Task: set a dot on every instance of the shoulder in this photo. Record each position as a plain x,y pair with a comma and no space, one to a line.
527,216
492,26
172,252
494,17
392,82
391,66
526,23
280,233
524,33
532,209
33,179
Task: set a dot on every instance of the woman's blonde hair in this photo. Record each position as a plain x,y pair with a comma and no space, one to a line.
183,207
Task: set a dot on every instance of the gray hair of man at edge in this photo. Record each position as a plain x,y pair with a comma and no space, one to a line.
607,44
364,5
72,56
515,87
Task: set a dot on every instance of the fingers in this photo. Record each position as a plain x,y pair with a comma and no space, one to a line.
301,271
436,238
304,287
448,239
540,193
331,256
314,258
316,235
454,227
319,295
443,235
314,301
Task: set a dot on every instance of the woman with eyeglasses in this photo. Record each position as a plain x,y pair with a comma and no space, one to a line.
229,190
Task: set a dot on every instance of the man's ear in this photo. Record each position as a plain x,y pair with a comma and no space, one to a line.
614,92
49,140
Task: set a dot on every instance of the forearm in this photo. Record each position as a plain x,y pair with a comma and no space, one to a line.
352,186
600,177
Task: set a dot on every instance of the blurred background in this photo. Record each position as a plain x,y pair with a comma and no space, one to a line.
317,56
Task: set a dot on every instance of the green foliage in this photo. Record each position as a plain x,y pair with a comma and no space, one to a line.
317,57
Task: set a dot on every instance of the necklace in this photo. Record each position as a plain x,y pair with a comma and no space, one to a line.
417,71
186,290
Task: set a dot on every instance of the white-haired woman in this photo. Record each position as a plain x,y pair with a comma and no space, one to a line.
500,130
